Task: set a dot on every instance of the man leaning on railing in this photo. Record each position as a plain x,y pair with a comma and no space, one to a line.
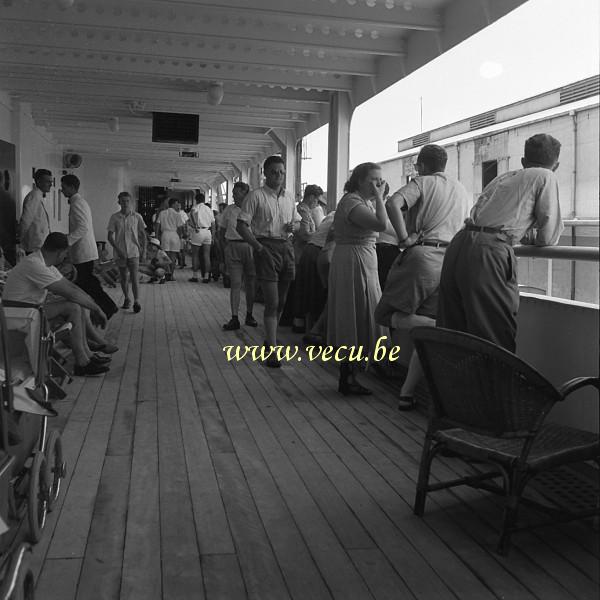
478,287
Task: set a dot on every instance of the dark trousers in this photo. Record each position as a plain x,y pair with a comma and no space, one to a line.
386,255
90,284
478,288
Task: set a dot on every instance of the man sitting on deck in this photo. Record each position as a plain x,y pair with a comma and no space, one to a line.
37,274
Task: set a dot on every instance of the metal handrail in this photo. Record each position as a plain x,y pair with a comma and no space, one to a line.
581,222
590,253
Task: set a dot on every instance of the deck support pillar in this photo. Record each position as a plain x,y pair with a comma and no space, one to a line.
340,117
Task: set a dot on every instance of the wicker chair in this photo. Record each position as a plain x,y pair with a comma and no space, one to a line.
488,406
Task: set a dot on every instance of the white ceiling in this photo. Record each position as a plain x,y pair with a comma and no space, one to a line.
278,60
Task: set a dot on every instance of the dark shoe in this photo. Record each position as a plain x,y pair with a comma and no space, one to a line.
206,280
312,338
298,329
126,304
273,363
353,389
250,321
193,279
406,403
233,324
136,307
100,360
90,369
105,348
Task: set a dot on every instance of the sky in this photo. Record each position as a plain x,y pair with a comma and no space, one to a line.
539,46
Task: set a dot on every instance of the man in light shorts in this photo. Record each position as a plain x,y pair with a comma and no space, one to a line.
239,259
267,220
127,236
170,228
201,221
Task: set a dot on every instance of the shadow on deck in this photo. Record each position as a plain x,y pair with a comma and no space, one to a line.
192,477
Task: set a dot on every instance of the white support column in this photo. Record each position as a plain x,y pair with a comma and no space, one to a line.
340,116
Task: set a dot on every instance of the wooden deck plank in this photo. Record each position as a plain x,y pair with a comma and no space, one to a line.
180,559
261,572
58,580
141,577
103,561
222,577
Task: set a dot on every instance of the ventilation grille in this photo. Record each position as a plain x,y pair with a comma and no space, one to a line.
580,90
420,139
488,118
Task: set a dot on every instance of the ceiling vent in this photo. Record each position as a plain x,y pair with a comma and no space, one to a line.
188,154
580,90
71,160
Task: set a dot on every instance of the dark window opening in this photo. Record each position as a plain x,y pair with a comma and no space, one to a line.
489,172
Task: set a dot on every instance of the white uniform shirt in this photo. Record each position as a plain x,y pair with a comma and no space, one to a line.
201,216
81,231
28,280
170,220
34,225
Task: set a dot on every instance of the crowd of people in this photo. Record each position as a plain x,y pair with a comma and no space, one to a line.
377,266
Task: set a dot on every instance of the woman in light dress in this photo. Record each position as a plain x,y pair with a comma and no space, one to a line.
354,289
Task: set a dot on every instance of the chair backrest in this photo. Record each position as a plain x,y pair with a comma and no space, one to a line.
479,386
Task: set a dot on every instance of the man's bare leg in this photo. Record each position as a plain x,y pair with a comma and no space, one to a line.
73,313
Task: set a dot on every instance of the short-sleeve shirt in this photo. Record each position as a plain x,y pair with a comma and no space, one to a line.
201,216
126,229
229,219
319,237
28,280
347,232
268,212
170,220
519,200
437,206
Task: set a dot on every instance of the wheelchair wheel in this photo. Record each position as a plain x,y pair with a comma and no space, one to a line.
55,466
19,582
37,497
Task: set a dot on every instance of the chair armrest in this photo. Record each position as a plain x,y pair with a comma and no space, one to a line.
577,383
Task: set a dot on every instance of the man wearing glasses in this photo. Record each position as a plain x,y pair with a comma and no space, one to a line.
478,289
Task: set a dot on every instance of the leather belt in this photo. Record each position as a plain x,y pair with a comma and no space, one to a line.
432,243
484,229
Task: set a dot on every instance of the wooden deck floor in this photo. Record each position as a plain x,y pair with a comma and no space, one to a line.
190,477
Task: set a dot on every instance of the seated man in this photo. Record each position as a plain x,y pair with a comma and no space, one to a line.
36,275
159,263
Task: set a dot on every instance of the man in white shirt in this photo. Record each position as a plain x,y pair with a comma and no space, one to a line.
169,230
201,222
31,279
34,224
82,244
267,219
127,236
238,259
479,289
